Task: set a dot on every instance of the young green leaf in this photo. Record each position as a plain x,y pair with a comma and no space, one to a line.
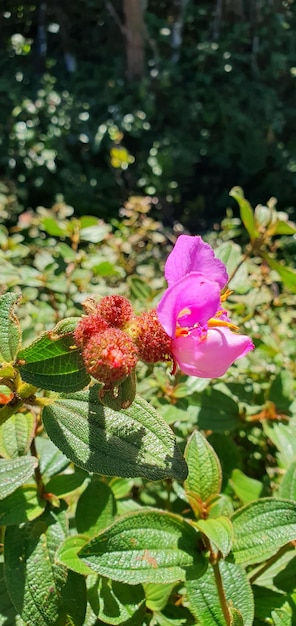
236,617
54,364
64,484
10,333
15,472
67,554
283,436
246,212
261,528
286,274
131,442
148,546
287,487
20,506
204,470
219,531
245,488
157,595
204,599
283,617
284,228
117,603
44,592
16,435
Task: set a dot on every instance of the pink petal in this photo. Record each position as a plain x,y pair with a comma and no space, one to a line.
212,356
195,293
192,254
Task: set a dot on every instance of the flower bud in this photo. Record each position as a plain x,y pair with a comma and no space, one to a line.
152,341
116,310
110,356
87,327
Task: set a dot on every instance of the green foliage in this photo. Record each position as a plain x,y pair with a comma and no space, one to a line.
180,508
215,104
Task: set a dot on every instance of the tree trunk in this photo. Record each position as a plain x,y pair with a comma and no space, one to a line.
135,33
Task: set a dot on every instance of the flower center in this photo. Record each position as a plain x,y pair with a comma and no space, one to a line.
220,320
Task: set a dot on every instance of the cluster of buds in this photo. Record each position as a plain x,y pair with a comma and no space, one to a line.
112,339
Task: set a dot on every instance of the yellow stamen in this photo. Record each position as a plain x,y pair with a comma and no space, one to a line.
215,322
225,295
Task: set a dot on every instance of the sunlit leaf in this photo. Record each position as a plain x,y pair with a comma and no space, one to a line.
10,333
41,589
148,546
261,528
131,442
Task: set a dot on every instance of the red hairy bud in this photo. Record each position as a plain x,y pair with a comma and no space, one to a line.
87,327
110,356
151,339
116,310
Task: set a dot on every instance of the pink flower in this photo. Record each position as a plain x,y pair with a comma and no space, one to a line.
191,312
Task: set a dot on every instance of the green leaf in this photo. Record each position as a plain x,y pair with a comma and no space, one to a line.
217,411
54,364
270,604
283,436
204,470
230,254
20,506
15,472
157,596
64,327
284,228
52,228
52,460
104,269
94,233
282,617
117,603
64,484
149,546
44,592
262,528
286,274
219,531
95,509
121,487
245,488
10,333
67,554
236,617
16,435
281,390
7,610
204,598
228,453
127,443
139,288
287,487
125,394
280,575
246,212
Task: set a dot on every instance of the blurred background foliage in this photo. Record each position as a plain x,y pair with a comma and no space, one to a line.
174,99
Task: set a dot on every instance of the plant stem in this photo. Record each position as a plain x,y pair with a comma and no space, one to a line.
270,562
37,473
221,593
